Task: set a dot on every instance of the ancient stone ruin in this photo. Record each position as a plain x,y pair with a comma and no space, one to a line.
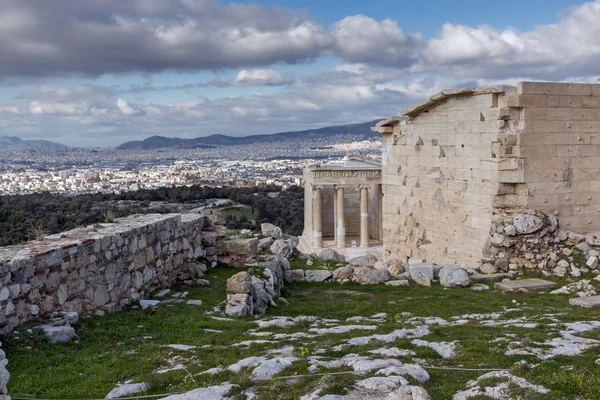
457,162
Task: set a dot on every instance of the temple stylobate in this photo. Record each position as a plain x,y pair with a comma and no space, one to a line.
342,207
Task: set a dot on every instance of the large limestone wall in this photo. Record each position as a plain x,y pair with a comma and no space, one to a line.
101,268
559,148
440,179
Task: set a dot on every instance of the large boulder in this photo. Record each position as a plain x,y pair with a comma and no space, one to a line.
316,275
420,277
58,334
264,243
395,269
240,283
241,247
454,277
282,248
262,296
293,240
363,261
297,274
371,276
528,223
271,230
332,255
343,273
239,305
286,268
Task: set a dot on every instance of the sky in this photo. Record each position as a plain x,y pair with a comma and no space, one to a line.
102,72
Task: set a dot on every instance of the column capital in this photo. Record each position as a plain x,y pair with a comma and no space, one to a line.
340,187
317,187
364,186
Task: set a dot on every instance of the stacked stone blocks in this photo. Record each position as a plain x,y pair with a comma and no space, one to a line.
101,268
458,158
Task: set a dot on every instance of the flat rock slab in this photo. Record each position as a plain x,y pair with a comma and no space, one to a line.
483,278
529,284
586,302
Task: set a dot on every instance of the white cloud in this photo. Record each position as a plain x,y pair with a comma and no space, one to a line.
256,77
126,109
362,39
58,108
566,49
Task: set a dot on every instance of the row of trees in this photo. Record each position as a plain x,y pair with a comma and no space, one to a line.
27,217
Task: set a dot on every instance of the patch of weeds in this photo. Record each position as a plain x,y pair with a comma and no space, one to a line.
242,378
336,384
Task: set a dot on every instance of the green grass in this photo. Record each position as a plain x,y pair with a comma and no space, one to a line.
131,344
239,210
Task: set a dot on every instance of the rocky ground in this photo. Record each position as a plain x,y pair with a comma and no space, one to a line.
324,340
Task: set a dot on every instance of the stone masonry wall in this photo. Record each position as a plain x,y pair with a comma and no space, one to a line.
439,180
558,146
100,268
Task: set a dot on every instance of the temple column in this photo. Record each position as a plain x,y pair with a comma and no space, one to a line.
317,231
364,216
341,220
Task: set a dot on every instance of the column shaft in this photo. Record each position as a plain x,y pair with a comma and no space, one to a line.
364,217
341,220
317,231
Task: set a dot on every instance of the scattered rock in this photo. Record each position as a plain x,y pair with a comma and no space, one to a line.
148,303
420,277
194,302
316,275
240,283
488,268
593,239
363,261
239,305
382,384
264,244
526,224
331,254
395,269
271,230
380,265
127,389
444,349
58,334
343,273
425,268
370,276
400,282
592,262
282,248
297,274
454,277
209,393
267,369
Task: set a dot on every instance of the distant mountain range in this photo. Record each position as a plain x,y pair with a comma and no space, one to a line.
15,143
157,142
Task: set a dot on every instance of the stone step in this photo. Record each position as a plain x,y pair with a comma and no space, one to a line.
483,278
586,302
529,284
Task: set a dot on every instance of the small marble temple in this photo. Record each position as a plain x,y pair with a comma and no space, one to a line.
455,163
342,207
